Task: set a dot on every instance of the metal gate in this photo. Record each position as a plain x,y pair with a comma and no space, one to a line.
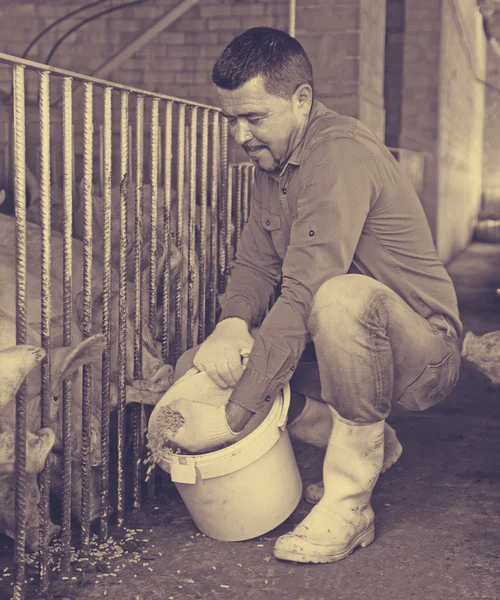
194,209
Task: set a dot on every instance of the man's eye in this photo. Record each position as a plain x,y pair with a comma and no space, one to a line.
232,121
256,120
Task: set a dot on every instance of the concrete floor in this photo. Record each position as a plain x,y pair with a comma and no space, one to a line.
437,509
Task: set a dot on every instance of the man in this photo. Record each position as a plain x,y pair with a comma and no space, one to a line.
336,217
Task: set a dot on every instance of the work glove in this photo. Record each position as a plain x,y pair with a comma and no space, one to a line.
224,354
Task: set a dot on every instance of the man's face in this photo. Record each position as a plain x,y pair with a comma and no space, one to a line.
266,126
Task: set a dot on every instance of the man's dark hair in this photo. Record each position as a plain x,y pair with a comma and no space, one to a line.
265,51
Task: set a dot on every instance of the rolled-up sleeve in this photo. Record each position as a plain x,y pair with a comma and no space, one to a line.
339,182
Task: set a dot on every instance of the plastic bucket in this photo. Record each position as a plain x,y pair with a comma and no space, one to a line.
247,489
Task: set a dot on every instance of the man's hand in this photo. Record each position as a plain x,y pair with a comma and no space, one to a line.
237,416
220,355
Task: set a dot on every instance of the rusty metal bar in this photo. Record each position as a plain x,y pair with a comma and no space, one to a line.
192,230
246,191
153,237
21,320
228,215
167,241
224,209
45,301
239,201
88,140
106,312
137,410
154,215
122,311
179,296
214,222
203,228
68,178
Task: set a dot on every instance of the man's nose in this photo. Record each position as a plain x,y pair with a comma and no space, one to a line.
242,134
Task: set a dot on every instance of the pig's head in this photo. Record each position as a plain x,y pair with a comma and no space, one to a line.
15,364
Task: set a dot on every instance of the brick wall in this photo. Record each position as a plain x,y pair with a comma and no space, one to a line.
344,40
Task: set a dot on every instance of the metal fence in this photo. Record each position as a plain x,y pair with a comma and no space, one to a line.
192,208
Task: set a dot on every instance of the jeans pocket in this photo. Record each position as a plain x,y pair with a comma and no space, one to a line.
435,383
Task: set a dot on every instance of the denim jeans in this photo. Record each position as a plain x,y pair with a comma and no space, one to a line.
370,351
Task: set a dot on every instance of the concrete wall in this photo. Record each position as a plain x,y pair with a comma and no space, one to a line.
461,110
442,112
491,147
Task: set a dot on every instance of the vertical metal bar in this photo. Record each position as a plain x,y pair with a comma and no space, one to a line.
167,216
203,227
137,410
214,222
122,312
239,200
130,145
106,325
154,215
246,189
153,238
229,208
68,174
88,141
101,161
224,216
44,108
192,231
179,295
20,211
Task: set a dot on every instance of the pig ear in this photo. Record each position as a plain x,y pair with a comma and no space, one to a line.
15,364
67,360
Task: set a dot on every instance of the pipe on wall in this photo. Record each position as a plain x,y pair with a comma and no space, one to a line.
292,9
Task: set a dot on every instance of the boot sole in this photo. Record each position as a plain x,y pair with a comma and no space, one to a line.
313,553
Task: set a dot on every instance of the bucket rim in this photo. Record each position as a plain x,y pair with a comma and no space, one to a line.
277,416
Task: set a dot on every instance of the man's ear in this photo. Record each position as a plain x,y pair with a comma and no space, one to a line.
303,97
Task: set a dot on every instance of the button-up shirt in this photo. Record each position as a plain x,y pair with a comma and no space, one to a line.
342,204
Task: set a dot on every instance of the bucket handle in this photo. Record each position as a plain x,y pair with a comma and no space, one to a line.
286,405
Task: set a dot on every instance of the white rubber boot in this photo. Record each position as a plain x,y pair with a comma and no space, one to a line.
314,426
344,518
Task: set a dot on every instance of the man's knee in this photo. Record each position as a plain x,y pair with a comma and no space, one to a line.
343,298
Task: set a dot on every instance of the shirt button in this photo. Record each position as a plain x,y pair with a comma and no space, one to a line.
268,223
311,233
292,368
283,190
267,398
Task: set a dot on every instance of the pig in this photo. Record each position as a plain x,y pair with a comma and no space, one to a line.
177,256
152,363
18,363
483,351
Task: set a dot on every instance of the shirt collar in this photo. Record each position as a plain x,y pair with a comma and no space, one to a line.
317,109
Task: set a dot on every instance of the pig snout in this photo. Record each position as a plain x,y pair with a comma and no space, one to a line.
39,447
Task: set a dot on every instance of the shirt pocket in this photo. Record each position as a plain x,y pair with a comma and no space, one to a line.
271,222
